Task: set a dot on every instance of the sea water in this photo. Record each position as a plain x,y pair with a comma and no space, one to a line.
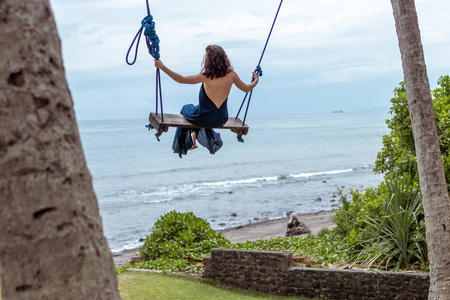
287,163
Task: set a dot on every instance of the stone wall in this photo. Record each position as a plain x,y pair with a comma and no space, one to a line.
271,271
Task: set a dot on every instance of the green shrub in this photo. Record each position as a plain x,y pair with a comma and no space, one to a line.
383,226
354,209
397,238
397,158
176,236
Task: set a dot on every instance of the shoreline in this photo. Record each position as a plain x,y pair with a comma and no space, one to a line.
266,229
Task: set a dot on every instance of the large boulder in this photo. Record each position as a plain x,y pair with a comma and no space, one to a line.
294,226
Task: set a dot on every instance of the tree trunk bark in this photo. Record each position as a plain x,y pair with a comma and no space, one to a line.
51,237
436,201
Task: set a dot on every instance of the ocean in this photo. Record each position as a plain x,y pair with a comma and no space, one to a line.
286,163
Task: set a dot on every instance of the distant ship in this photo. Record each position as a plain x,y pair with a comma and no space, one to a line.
338,111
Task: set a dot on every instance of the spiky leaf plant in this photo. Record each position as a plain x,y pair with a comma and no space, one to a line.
396,238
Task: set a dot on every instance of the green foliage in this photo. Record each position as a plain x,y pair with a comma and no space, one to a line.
169,265
397,236
354,210
383,225
326,246
397,157
442,114
121,269
397,239
177,236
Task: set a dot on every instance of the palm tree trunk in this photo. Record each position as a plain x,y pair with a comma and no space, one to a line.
435,196
51,237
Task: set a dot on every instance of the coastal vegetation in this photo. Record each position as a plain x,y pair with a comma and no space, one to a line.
178,242
397,158
381,228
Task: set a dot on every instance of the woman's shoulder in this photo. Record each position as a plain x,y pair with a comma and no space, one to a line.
232,74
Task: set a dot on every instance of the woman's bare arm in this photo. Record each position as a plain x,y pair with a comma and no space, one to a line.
242,85
192,79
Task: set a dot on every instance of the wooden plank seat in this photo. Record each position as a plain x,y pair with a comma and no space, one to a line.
178,120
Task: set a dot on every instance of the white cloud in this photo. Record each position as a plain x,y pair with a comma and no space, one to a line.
314,42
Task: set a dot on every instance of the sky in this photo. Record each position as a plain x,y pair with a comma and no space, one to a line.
323,55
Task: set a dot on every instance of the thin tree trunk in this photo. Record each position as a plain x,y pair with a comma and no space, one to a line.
435,196
51,237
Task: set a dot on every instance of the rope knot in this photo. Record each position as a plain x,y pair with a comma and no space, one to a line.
258,70
151,37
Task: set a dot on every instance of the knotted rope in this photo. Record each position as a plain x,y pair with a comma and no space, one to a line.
151,37
258,70
152,41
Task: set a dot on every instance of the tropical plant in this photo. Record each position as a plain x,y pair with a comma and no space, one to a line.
395,238
354,208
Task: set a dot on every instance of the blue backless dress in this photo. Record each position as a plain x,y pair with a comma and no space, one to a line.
206,115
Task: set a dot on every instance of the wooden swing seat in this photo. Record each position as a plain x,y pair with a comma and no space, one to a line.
178,120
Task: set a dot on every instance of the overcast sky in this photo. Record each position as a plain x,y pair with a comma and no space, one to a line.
323,55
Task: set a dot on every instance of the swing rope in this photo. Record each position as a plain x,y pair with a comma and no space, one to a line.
258,69
152,41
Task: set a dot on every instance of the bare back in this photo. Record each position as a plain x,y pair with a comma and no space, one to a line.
218,89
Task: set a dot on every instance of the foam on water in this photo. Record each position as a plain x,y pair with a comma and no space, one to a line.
164,194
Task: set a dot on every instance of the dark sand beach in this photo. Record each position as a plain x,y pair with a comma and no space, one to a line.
256,231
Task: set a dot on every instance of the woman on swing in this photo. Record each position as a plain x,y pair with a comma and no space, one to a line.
217,77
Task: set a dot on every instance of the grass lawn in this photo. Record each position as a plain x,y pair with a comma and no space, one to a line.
134,285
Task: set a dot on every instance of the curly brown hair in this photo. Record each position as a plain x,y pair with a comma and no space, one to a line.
216,63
